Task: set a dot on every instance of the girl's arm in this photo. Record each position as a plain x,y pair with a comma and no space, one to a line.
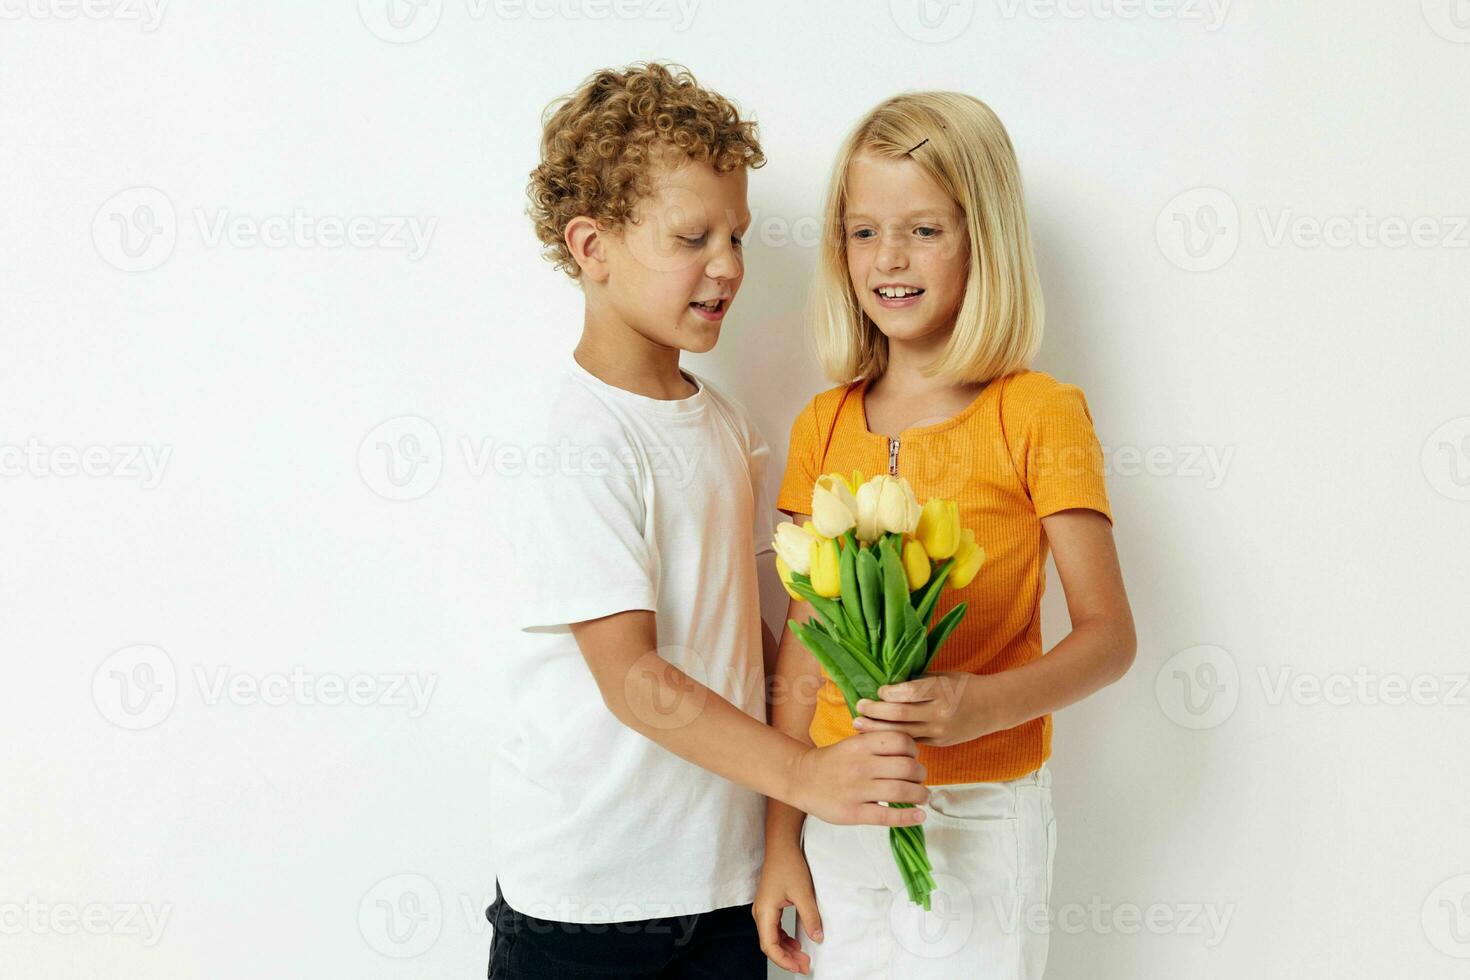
946,708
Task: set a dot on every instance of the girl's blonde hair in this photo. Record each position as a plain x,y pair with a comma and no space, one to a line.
962,145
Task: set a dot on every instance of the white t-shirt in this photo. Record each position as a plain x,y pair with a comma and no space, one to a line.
629,502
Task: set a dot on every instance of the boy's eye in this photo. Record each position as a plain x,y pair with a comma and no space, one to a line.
735,240
692,240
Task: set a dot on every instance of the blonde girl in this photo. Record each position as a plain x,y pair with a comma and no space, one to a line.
927,313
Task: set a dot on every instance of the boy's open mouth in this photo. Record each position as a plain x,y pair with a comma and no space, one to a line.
709,309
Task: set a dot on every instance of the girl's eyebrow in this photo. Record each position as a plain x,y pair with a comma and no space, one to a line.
910,216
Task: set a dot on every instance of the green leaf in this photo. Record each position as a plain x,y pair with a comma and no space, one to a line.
809,639
895,600
931,592
871,588
828,611
941,632
912,649
852,600
833,657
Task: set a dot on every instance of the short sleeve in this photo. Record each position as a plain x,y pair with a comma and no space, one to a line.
580,548
1063,464
762,524
795,496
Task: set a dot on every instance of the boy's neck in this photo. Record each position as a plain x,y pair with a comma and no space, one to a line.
624,358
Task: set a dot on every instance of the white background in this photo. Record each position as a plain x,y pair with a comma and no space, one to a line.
1286,417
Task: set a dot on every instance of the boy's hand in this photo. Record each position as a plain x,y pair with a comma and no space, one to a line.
786,880
843,783
936,709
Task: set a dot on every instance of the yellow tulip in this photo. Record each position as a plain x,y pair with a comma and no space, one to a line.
939,528
826,568
794,544
834,508
915,564
967,560
785,572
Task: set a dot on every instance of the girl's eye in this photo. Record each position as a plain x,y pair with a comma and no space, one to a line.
927,232
863,234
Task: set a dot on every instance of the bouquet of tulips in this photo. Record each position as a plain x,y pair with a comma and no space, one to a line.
872,562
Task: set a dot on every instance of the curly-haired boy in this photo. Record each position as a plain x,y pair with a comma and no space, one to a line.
628,829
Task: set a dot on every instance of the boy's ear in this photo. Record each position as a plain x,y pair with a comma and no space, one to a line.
587,242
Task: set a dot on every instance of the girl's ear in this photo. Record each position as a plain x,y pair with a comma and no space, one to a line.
587,242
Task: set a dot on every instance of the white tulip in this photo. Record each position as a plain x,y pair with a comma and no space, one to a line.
794,546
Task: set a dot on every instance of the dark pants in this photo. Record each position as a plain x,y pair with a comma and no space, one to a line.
718,945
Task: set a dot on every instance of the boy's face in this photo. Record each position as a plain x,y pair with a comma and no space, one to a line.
674,269
901,230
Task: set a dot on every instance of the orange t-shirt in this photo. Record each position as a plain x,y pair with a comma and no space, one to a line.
1023,449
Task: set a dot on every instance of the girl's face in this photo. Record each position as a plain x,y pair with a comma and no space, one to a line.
907,246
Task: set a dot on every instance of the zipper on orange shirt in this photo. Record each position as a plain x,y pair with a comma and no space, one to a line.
893,457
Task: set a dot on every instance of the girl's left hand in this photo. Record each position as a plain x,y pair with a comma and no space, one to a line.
936,709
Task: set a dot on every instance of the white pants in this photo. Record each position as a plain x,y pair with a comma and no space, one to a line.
991,845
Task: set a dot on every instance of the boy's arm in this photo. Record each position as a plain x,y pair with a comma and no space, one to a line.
841,783
795,679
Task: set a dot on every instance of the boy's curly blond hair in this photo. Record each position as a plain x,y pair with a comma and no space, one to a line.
599,146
